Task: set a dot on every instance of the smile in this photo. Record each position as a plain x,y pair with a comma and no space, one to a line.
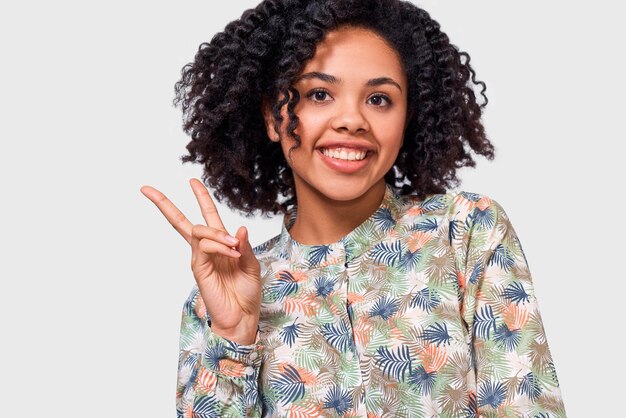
347,154
340,160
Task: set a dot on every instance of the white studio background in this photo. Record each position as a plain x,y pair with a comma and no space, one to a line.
94,278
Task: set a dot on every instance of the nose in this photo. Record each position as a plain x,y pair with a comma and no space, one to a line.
350,117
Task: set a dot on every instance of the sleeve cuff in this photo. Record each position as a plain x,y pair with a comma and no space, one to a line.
228,358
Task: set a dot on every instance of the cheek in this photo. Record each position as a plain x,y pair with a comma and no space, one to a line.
310,124
390,132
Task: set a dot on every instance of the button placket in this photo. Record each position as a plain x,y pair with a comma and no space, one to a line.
349,355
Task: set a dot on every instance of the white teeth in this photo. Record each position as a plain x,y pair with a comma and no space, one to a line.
343,154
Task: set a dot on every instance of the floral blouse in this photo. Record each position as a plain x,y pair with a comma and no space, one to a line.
426,309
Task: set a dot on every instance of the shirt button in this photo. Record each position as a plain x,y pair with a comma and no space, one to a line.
253,355
249,371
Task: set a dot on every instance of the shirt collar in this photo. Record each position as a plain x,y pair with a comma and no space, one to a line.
364,236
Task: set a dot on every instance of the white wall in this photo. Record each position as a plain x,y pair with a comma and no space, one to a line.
93,278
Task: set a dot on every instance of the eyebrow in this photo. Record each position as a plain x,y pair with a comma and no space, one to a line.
374,82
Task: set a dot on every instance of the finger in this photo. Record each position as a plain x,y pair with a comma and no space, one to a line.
173,215
208,246
245,248
209,211
242,236
201,231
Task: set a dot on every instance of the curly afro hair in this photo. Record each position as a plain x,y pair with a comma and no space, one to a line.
257,58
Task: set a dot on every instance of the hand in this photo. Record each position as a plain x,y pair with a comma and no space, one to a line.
229,279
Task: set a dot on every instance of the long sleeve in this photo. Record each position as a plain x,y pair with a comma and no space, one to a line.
216,377
515,374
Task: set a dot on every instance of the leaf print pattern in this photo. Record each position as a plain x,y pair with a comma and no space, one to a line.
502,257
388,254
433,358
384,219
515,292
426,299
339,400
206,407
437,333
429,225
410,259
285,286
290,333
492,394
324,286
339,337
484,322
384,308
508,338
530,387
290,385
423,379
425,309
394,364
318,255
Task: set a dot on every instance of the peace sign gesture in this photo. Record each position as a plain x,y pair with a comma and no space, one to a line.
229,280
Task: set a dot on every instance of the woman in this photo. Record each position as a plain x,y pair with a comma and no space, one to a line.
384,294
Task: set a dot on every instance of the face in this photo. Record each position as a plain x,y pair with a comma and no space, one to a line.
353,100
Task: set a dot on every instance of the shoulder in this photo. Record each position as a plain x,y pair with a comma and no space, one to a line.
454,205
485,223
457,212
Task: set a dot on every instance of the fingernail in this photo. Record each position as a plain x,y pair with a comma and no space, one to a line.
232,240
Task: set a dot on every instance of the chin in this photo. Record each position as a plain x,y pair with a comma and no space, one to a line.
345,192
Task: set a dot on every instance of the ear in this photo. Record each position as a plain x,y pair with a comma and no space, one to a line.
269,121
406,123
409,115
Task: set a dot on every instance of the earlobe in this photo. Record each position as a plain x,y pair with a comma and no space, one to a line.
269,122
408,118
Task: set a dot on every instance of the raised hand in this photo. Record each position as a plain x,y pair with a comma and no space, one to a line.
228,278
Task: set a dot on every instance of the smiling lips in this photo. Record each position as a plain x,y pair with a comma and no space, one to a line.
344,153
345,160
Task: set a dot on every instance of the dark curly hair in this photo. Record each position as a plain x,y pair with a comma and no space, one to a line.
258,57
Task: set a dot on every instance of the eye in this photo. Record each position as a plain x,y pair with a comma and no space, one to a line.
317,94
381,97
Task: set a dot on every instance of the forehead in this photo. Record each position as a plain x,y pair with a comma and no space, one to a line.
356,52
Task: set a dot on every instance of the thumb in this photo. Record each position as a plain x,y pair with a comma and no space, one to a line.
245,248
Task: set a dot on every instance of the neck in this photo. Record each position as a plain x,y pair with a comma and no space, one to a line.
321,220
